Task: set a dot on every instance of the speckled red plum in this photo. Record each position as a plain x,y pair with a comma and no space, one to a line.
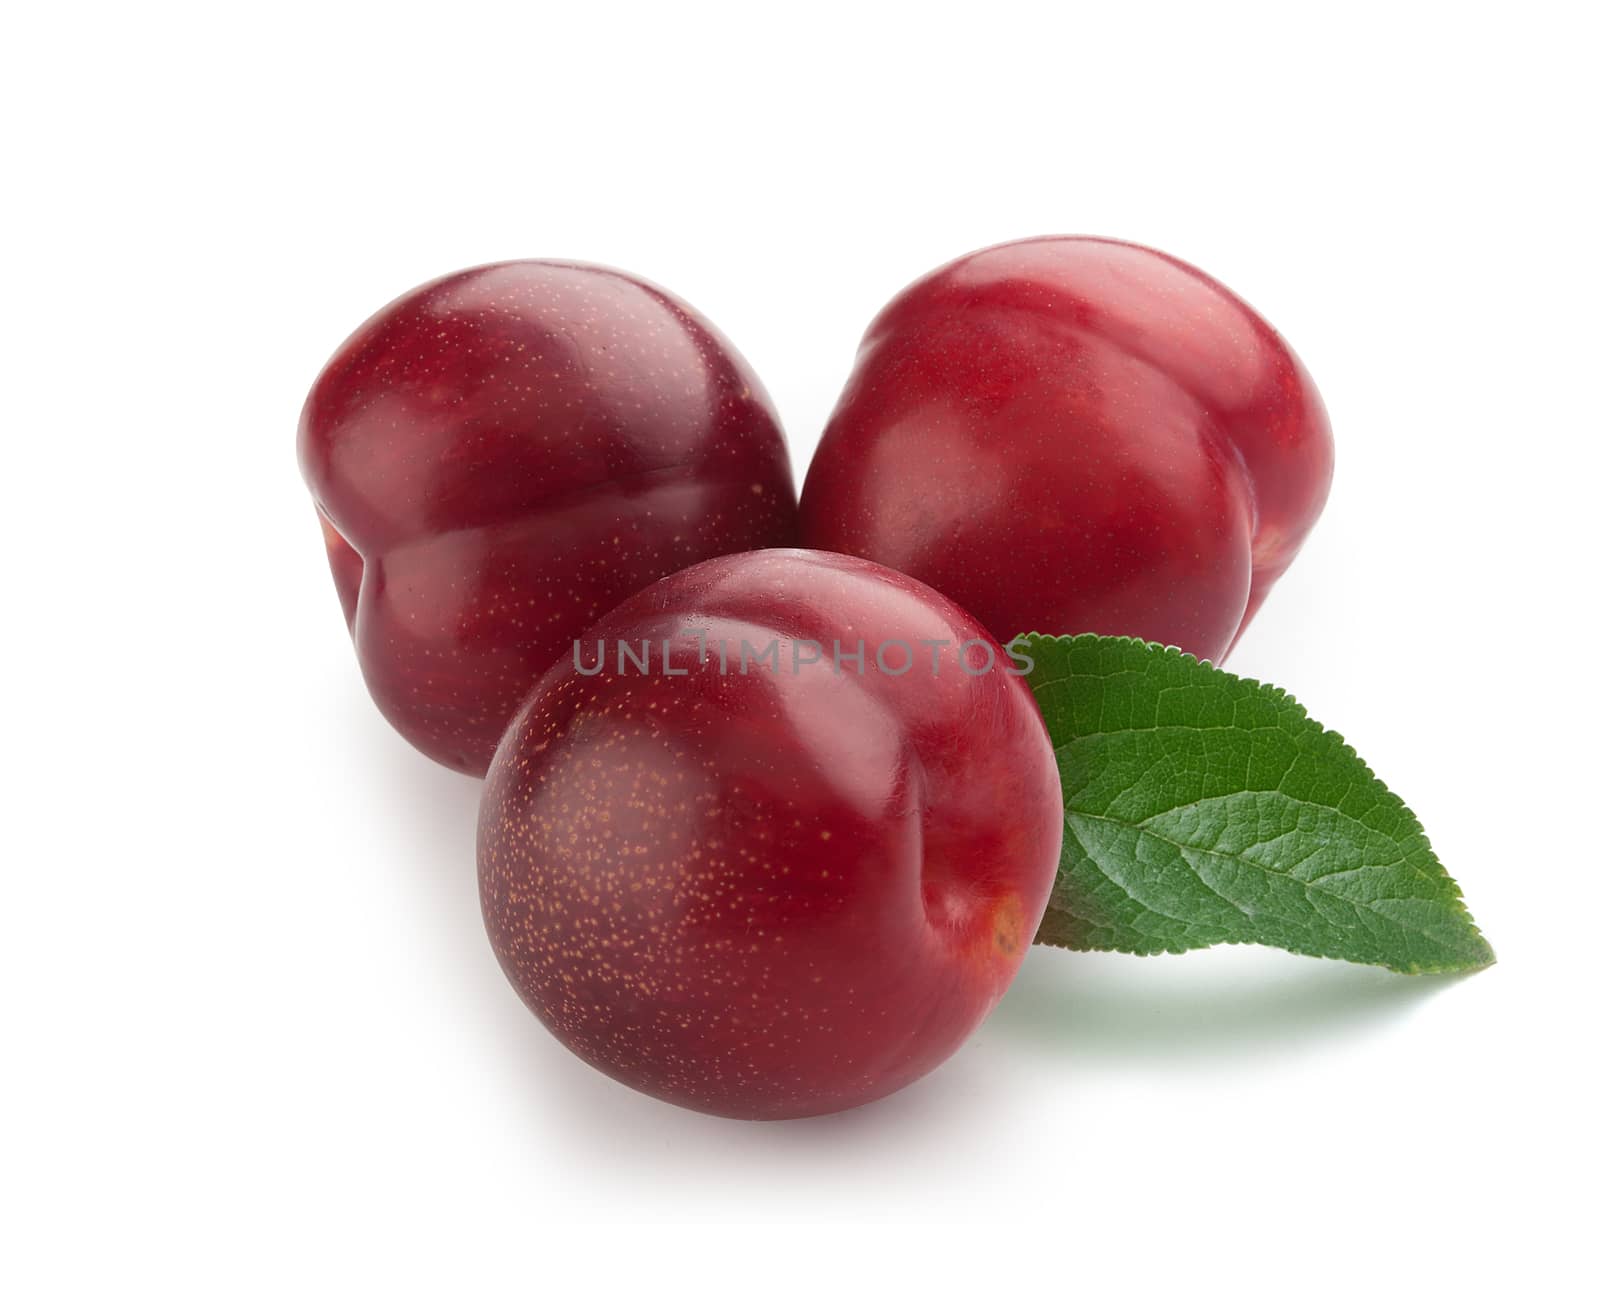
502,455
1072,435
782,892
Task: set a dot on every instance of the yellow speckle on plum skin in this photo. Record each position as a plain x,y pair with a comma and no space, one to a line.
1007,931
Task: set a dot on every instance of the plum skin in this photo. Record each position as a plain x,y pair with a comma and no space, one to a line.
503,454
1070,435
770,895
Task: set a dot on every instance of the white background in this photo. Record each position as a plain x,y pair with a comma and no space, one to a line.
257,1046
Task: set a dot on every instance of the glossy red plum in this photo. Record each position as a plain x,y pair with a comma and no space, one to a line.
762,882
506,453
1071,435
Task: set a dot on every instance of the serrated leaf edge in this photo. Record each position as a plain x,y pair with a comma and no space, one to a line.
1290,701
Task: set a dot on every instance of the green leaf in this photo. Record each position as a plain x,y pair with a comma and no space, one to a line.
1204,808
